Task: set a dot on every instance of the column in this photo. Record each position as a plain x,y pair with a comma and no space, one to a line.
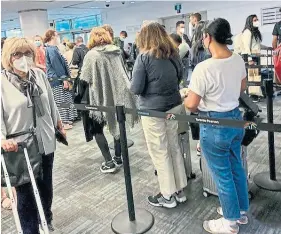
34,22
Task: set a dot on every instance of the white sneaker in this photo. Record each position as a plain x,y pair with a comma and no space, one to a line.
180,196
220,226
198,150
242,220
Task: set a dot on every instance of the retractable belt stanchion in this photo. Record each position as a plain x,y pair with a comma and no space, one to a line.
272,180
139,220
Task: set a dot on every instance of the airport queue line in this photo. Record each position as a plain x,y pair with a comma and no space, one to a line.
227,126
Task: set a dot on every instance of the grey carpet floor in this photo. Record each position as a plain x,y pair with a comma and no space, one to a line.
86,201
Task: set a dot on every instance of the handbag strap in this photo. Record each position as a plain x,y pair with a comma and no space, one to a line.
174,64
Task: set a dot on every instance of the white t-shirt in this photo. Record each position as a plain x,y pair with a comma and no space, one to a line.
218,82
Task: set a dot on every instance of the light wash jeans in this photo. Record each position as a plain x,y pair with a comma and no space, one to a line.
221,146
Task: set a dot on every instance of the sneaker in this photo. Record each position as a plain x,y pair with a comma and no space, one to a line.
180,196
160,201
198,150
51,227
118,161
242,220
108,167
220,226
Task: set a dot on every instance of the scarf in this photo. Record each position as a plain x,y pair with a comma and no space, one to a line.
29,88
104,70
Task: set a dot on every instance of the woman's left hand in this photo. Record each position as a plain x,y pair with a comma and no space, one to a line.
61,128
65,84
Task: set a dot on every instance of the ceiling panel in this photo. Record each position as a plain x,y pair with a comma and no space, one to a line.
62,9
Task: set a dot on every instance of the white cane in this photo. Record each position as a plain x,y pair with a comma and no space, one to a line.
14,207
35,190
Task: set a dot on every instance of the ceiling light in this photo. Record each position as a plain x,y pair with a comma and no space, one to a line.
132,2
107,1
94,7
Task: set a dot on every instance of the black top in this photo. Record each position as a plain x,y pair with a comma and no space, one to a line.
156,81
277,32
78,55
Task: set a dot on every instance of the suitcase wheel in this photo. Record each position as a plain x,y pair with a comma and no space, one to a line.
192,176
206,194
155,172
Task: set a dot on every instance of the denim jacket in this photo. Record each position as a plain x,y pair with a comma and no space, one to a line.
56,65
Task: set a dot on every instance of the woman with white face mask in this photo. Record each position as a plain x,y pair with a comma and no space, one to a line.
40,56
57,73
20,81
251,39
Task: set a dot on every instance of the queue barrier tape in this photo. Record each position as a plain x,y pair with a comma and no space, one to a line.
183,118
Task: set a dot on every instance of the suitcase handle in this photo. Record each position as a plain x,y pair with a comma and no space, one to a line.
20,144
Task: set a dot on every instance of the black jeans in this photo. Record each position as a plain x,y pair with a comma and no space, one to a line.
27,208
103,145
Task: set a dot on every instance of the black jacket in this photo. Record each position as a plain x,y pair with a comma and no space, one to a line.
91,127
78,55
156,81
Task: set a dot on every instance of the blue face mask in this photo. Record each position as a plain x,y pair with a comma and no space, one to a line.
37,43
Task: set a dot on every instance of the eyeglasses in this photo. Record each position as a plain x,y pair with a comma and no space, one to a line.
18,55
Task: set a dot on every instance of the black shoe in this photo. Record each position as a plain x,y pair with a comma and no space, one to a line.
160,201
118,161
108,167
51,227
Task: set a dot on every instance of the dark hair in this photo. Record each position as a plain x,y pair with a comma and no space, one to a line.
163,26
48,35
124,33
79,39
197,16
255,31
176,38
220,30
179,23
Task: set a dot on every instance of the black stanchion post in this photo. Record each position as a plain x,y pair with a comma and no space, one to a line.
269,181
140,220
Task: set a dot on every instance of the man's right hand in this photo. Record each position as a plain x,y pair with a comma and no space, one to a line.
9,145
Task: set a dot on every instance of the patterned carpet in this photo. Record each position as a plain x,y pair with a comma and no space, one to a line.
85,200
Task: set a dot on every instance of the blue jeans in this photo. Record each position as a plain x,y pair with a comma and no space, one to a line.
221,146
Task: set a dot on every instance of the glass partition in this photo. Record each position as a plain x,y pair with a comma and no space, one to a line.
14,33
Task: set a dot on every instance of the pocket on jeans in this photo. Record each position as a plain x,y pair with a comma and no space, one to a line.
222,137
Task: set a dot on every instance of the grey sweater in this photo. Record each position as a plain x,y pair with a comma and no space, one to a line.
156,81
17,117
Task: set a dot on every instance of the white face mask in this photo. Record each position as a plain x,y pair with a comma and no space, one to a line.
256,24
23,64
182,30
122,39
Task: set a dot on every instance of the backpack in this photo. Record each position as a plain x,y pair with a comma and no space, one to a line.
238,43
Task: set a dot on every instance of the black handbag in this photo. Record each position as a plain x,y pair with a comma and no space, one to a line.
15,161
195,129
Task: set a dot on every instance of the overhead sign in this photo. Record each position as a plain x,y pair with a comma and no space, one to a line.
178,8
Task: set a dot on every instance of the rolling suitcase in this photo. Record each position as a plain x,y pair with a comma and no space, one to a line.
209,186
185,151
183,137
35,190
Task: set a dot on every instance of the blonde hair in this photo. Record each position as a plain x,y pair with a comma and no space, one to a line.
41,38
153,39
13,45
109,29
99,36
